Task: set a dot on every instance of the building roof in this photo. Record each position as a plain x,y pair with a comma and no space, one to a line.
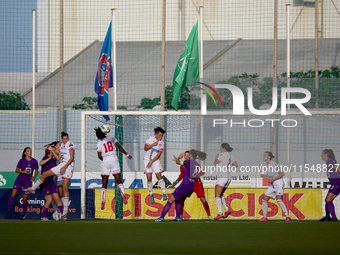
139,67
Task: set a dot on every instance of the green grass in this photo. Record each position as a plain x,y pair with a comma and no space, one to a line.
188,237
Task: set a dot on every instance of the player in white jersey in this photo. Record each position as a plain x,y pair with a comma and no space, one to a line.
153,148
110,165
224,161
276,188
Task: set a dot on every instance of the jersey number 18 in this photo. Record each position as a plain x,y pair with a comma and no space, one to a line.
109,147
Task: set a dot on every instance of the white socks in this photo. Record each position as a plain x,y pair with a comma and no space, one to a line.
103,193
162,185
65,203
224,203
150,188
264,208
219,204
55,206
283,207
122,190
36,184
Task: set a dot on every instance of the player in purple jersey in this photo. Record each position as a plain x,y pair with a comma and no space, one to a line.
187,185
334,178
48,188
25,168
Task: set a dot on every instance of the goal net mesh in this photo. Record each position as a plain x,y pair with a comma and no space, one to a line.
309,136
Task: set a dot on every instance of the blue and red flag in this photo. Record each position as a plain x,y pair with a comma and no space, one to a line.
104,77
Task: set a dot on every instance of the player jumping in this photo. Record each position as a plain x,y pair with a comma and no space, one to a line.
187,186
107,153
153,148
198,189
276,188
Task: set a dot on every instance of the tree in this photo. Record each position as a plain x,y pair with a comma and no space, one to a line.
12,101
185,100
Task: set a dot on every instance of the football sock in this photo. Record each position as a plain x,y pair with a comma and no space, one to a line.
331,209
10,202
24,207
103,193
36,184
65,202
178,208
162,185
55,206
327,210
182,206
150,188
166,208
122,190
264,208
283,207
218,204
61,209
44,212
206,207
224,203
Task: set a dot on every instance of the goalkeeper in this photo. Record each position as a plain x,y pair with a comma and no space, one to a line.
187,186
198,189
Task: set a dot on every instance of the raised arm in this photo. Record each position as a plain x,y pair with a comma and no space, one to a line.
123,150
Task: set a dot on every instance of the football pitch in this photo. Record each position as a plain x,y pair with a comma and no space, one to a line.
187,237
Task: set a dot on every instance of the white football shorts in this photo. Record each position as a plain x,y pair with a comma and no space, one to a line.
155,167
275,190
223,182
110,166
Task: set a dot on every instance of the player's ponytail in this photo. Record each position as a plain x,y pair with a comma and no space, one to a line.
329,153
201,155
270,154
23,153
227,147
99,133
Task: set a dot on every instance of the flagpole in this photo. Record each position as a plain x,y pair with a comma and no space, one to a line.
33,82
113,56
288,85
203,95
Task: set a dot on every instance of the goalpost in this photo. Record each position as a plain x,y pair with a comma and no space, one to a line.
248,134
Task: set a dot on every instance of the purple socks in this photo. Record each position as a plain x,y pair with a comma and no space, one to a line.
327,210
166,209
331,209
61,209
178,207
24,207
10,202
44,212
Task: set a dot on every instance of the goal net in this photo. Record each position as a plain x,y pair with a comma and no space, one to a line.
296,141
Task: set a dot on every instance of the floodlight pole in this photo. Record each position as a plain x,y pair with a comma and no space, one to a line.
33,83
61,61
203,95
288,86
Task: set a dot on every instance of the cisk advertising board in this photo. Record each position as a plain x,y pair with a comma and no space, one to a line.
302,204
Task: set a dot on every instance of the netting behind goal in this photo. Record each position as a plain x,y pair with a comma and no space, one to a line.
249,136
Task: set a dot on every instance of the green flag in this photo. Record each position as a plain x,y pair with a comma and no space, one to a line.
187,67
